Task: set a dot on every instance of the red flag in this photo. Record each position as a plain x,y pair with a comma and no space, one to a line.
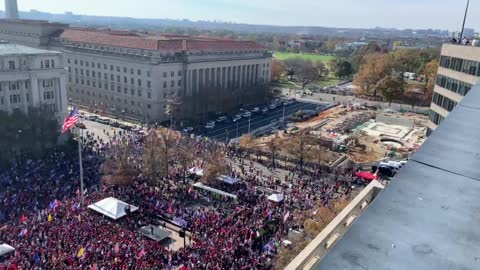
141,253
23,218
170,209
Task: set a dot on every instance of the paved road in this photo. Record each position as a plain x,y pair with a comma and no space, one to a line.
100,130
234,130
334,99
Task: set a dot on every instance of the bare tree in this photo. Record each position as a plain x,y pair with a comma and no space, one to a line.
184,154
300,148
167,142
274,146
120,166
151,167
215,163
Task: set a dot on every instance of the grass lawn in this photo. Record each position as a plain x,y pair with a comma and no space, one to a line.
310,56
328,81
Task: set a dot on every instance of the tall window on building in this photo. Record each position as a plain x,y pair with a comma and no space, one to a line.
11,64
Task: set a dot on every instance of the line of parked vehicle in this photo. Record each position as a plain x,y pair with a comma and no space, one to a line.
243,113
107,121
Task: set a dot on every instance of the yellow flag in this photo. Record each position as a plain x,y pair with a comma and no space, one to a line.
81,252
50,218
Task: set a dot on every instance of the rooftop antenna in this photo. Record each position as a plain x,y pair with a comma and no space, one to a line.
464,19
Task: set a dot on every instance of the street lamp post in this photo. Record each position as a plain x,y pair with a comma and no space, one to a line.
283,118
249,117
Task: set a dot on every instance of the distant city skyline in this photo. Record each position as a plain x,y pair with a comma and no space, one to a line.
412,14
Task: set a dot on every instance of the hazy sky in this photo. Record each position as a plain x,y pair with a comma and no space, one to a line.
437,14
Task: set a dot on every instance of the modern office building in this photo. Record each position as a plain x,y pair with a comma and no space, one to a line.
459,70
140,75
11,9
31,77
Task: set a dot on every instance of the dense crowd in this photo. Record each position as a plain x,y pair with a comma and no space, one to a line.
41,216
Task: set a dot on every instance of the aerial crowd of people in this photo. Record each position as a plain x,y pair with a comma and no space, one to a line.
42,217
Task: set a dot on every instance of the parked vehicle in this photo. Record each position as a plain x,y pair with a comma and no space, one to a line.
265,110
81,126
255,110
188,129
221,119
115,124
210,125
247,114
236,118
272,106
92,117
103,121
125,127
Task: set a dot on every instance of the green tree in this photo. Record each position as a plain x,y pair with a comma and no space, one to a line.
32,135
391,88
343,69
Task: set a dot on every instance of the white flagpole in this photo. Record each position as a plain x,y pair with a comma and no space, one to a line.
81,164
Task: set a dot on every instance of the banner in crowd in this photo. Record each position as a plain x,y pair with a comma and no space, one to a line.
180,222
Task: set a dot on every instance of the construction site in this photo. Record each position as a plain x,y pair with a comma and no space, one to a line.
346,136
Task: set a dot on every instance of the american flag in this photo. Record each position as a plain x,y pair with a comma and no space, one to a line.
70,120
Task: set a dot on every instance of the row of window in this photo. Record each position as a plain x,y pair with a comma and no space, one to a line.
12,86
461,65
453,85
47,63
103,105
112,77
435,117
106,67
443,102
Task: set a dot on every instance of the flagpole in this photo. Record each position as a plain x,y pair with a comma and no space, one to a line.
464,19
80,134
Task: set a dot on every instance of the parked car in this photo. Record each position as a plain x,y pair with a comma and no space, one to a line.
104,121
115,124
247,114
236,118
265,110
125,127
272,106
92,117
81,126
255,110
221,119
188,129
210,125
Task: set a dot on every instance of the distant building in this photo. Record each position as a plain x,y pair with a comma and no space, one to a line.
138,75
11,9
351,46
459,70
31,77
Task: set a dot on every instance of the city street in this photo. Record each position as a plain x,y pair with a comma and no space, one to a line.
335,99
231,130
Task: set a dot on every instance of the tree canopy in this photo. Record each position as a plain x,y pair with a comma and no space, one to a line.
31,135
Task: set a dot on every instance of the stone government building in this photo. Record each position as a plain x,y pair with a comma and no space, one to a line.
138,75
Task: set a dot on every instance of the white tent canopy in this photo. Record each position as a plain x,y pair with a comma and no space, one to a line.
276,197
196,171
111,207
213,190
228,179
6,249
